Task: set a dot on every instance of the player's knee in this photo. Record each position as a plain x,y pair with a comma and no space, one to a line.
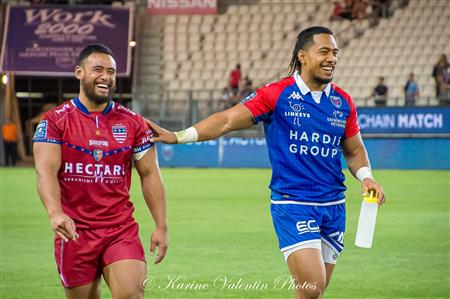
129,294
312,292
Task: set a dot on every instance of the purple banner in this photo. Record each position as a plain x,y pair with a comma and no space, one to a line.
46,40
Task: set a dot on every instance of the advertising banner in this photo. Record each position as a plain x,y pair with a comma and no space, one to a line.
180,7
46,40
411,120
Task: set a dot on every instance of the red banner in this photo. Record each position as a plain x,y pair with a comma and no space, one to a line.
180,7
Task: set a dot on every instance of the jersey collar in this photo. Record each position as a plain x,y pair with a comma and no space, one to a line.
305,89
77,103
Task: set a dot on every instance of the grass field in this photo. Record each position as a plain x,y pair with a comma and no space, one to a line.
221,238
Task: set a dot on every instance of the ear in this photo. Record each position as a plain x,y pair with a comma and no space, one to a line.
301,55
78,72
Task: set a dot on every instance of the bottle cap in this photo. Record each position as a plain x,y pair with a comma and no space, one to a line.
369,197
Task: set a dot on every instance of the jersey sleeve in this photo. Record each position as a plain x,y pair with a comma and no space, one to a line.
260,103
142,139
351,126
48,130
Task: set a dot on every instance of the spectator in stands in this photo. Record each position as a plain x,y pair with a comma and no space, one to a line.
380,93
385,8
346,11
337,10
411,91
10,136
235,78
248,81
248,88
358,10
225,98
439,70
444,85
382,8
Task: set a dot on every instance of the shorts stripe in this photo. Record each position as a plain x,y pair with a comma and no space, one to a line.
306,203
61,262
326,242
300,244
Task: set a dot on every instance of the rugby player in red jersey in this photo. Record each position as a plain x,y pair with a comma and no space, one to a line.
83,153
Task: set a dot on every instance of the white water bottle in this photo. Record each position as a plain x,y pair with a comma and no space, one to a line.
366,222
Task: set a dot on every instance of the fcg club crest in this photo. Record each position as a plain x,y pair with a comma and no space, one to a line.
336,101
97,154
119,132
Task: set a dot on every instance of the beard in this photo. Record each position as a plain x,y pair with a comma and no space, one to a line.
89,90
321,80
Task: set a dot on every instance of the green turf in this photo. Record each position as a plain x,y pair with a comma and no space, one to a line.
220,228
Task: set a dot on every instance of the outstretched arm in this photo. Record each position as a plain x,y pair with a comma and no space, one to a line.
358,163
216,125
154,195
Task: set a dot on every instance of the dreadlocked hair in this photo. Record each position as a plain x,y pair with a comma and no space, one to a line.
304,40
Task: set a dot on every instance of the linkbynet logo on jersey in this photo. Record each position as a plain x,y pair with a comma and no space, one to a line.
297,111
93,173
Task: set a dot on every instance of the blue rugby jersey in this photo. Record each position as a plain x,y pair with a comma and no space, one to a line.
304,137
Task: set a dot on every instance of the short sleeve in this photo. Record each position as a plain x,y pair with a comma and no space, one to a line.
260,104
142,139
351,126
47,130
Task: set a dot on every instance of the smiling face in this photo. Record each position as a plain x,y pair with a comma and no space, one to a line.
319,59
97,75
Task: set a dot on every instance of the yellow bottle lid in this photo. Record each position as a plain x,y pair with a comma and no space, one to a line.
369,197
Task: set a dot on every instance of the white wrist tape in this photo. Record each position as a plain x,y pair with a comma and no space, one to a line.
364,173
187,136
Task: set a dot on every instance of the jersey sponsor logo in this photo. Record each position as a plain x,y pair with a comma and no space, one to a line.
309,226
41,130
149,135
327,145
63,109
98,143
336,101
97,154
337,121
297,113
249,97
119,132
141,148
126,109
295,95
337,113
93,173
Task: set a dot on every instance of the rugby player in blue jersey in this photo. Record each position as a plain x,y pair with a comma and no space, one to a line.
309,123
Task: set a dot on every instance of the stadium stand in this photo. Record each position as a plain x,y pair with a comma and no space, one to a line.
410,41
196,53
184,59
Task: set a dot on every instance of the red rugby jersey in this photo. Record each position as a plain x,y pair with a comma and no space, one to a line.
97,148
